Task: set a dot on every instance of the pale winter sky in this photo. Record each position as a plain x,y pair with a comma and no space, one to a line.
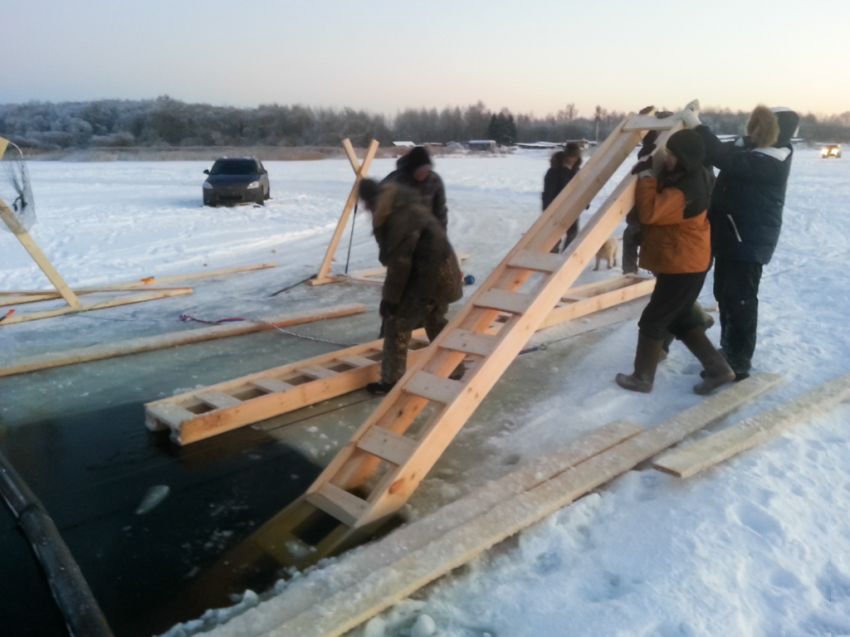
385,55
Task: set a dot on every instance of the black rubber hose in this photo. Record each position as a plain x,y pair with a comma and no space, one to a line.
71,592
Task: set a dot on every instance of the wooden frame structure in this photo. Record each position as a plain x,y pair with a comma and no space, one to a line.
73,303
206,412
360,169
389,455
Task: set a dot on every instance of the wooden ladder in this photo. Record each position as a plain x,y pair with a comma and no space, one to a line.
376,472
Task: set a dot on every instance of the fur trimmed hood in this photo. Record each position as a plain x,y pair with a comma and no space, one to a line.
763,127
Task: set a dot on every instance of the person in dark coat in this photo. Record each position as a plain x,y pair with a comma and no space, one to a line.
746,219
423,275
563,166
676,246
416,171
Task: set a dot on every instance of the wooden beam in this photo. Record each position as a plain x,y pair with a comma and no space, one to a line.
173,339
102,305
360,171
7,299
690,459
38,256
354,588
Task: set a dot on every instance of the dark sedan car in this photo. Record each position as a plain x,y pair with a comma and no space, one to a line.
236,180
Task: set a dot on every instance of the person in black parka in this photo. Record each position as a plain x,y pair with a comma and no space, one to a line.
415,170
746,219
563,166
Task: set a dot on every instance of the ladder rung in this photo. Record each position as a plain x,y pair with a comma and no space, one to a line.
358,361
218,400
470,342
426,385
537,261
344,506
649,122
316,372
271,385
513,302
387,445
171,415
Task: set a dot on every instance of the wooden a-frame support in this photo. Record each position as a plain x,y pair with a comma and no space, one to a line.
73,302
376,472
360,169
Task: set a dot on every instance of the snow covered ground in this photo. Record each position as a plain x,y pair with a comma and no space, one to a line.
757,546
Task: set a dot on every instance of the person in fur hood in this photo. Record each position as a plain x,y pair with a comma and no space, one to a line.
416,170
563,166
746,219
676,247
423,275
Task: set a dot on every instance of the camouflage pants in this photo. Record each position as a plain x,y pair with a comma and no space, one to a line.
397,331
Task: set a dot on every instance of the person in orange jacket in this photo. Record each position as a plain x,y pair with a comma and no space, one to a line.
676,247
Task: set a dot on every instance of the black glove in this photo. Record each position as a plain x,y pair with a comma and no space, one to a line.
648,144
645,110
643,164
387,309
663,114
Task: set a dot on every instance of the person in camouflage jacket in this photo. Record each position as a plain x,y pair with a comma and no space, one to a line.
423,275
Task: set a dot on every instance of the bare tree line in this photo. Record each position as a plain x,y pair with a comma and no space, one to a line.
168,122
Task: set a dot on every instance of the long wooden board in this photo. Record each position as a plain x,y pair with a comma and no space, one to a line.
433,546
172,339
192,419
689,460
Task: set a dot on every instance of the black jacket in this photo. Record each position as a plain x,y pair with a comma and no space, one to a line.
748,197
555,180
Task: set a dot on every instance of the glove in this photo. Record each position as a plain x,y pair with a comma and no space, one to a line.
663,114
387,309
648,144
645,110
644,165
690,116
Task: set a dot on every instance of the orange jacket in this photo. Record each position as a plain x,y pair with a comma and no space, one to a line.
669,242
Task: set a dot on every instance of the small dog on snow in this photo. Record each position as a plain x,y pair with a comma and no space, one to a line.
608,251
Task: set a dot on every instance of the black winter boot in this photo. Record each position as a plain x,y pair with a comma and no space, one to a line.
646,361
717,370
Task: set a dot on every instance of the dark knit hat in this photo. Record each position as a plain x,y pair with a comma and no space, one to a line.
688,147
572,150
417,157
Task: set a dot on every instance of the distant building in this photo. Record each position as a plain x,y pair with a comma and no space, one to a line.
404,144
487,145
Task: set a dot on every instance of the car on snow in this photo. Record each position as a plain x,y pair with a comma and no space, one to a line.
831,150
234,180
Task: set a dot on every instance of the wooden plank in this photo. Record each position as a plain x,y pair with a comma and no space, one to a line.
38,256
324,274
470,342
7,299
425,385
590,305
173,339
372,590
357,361
346,571
504,301
689,460
341,504
271,385
124,300
165,414
537,261
649,122
387,445
316,372
218,400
